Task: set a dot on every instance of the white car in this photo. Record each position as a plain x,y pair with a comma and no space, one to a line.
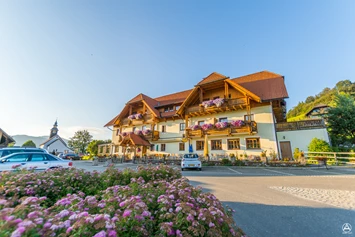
36,160
191,161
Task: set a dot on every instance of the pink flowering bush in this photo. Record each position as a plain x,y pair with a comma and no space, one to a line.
147,131
237,123
218,102
152,201
135,116
138,132
131,117
195,127
207,126
207,103
221,125
124,134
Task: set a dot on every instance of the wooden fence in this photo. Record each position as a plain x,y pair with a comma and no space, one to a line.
333,158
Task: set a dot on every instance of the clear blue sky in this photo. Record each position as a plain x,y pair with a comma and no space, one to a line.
81,61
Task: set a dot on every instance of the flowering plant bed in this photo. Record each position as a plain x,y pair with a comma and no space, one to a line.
147,131
221,125
207,126
284,163
135,116
153,201
237,123
195,127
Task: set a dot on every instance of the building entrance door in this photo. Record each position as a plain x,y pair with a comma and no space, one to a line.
286,151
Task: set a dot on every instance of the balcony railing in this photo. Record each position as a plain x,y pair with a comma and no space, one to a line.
300,125
154,136
248,128
146,119
229,104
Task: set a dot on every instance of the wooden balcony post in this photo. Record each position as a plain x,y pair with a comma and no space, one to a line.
186,125
201,95
226,93
130,109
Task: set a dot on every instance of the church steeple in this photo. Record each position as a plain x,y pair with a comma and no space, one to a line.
54,130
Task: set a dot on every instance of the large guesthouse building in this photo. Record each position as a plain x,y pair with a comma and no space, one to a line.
218,116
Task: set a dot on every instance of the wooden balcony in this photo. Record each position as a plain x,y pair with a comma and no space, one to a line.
300,125
147,118
154,136
229,105
248,128
194,133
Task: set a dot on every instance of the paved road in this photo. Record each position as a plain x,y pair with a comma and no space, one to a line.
280,201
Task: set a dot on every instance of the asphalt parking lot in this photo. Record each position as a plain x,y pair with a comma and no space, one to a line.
278,201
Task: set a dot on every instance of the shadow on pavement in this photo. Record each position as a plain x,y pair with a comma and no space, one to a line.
267,220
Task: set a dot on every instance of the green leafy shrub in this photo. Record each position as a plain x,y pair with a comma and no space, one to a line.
226,161
319,145
153,201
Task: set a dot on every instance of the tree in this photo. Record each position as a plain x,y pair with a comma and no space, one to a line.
319,145
93,146
310,99
80,141
29,143
341,119
11,144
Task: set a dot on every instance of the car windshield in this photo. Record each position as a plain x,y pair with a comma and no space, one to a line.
190,156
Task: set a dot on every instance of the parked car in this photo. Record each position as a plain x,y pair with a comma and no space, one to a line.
191,161
27,160
11,150
71,156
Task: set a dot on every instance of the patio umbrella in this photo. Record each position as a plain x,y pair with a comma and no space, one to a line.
190,148
205,147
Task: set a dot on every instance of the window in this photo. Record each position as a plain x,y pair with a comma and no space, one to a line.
18,158
102,149
177,107
152,147
217,97
144,127
37,157
163,128
253,143
51,157
107,149
229,96
246,117
181,146
171,108
162,147
117,132
233,144
201,123
134,128
207,99
216,144
223,119
166,109
182,126
117,149
200,145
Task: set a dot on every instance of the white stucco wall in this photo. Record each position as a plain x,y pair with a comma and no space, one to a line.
58,146
263,116
301,138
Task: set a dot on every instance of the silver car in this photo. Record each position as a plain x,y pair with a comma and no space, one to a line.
32,160
191,161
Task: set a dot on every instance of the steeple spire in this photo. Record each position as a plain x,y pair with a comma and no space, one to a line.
54,130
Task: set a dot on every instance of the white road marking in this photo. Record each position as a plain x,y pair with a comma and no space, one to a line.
235,171
279,172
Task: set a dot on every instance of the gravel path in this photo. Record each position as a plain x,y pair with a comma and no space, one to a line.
339,198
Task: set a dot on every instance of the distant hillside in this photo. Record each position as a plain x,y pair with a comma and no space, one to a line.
325,97
20,139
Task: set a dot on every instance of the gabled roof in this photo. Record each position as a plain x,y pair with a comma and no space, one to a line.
135,140
214,76
264,85
51,140
174,98
8,136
